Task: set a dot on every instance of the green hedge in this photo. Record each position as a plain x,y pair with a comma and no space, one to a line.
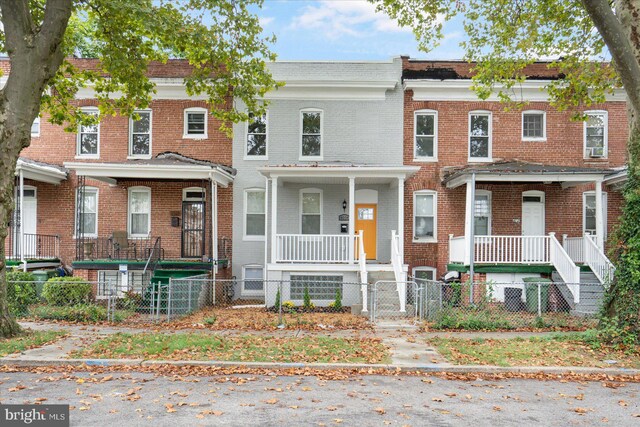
21,291
76,313
66,291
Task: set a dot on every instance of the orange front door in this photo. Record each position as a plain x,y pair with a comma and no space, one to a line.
367,221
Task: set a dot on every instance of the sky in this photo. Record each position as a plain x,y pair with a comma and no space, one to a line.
345,30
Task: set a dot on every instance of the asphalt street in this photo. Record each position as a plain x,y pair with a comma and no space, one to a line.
142,399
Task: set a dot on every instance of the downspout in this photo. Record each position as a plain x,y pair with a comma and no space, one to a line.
22,260
214,230
472,239
266,233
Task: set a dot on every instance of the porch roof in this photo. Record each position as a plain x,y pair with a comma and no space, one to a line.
518,171
617,179
41,171
164,166
338,172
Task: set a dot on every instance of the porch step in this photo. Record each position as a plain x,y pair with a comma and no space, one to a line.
376,276
591,293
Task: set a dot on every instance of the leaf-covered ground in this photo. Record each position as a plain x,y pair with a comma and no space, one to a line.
568,350
244,348
29,339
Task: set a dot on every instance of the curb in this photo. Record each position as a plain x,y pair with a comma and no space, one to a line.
432,368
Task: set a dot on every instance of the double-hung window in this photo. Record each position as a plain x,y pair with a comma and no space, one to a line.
140,135
88,142
139,211
426,135
87,216
534,125
255,209
195,123
311,135
424,216
589,212
311,211
482,213
253,279
35,127
479,136
257,137
595,134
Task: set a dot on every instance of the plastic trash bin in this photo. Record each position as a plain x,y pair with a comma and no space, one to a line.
42,276
531,285
513,299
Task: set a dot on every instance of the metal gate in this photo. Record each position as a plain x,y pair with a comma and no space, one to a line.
193,229
391,300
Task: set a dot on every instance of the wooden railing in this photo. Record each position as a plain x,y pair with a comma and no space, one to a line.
512,249
316,248
565,267
598,261
574,247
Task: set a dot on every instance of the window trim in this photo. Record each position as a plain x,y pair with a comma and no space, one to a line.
95,190
266,141
312,110
249,292
120,291
605,208
87,110
139,188
130,151
605,148
433,239
490,135
316,191
37,134
426,112
488,193
193,199
425,268
542,138
245,236
185,126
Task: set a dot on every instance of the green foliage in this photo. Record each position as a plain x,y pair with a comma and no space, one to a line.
306,299
472,321
131,301
337,303
210,320
86,313
66,291
277,303
21,291
288,306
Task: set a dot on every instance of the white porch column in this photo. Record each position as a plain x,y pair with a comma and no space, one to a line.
214,225
468,220
274,216
401,218
352,219
21,219
266,229
599,216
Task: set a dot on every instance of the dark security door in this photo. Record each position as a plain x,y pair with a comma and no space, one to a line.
193,229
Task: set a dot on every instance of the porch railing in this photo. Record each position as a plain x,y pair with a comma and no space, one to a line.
34,246
457,249
512,249
598,261
316,248
565,267
574,247
136,248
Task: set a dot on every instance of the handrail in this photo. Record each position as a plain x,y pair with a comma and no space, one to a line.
601,266
364,276
154,257
565,266
396,263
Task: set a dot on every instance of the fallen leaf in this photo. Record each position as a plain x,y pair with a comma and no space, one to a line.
271,401
331,408
380,411
497,408
436,399
169,407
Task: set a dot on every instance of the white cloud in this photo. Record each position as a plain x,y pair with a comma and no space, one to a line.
266,20
339,18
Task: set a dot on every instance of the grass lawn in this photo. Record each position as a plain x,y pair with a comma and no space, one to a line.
29,339
245,348
553,350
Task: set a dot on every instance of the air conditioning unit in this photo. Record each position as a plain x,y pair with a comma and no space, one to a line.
596,152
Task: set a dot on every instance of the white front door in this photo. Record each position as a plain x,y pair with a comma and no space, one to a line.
533,249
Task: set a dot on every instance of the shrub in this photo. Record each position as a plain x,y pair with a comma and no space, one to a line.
471,321
63,291
288,306
210,320
337,303
306,299
75,313
277,304
21,291
131,301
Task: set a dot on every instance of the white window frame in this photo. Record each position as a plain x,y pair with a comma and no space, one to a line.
433,239
489,195
138,189
425,268
185,129
604,211
200,190
247,156
312,110
251,292
119,283
315,191
490,135
544,126
38,122
94,190
433,113
141,156
605,148
79,155
252,237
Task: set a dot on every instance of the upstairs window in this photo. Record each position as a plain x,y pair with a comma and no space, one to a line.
140,135
424,216
595,134
311,211
89,137
257,136
139,211
311,125
482,213
35,127
534,126
479,136
425,137
195,123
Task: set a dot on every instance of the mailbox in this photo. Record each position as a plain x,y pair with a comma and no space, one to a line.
344,228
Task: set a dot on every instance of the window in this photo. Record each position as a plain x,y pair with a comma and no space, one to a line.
424,216
311,133
35,127
482,213
479,136
195,123
89,137
255,209
595,134
140,135
424,273
320,287
426,135
534,124
139,211
257,136
136,281
89,216
311,211
253,279
589,212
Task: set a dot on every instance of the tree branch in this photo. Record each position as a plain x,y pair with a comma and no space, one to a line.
17,22
54,25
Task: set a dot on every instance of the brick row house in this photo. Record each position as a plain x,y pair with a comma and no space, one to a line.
359,172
